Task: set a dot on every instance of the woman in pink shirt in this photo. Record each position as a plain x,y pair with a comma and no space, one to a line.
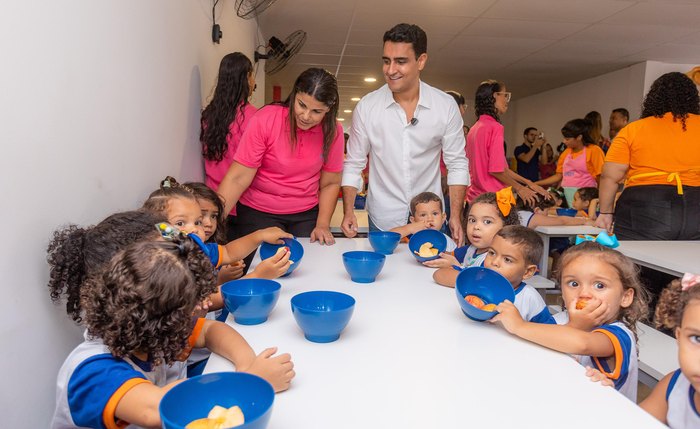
225,119
287,169
488,168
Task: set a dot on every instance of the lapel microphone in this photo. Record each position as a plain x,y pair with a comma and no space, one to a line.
414,121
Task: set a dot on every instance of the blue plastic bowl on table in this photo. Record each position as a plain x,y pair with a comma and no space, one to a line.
384,242
322,315
485,283
566,212
250,301
267,250
195,397
436,238
363,266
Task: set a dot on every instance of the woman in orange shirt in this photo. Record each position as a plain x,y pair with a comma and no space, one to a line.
660,157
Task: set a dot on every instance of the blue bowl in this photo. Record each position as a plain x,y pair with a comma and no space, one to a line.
363,267
322,315
194,398
359,202
435,237
384,242
250,301
267,250
566,212
485,283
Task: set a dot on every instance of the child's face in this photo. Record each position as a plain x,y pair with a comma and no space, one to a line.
430,213
508,260
210,214
688,336
578,203
483,223
589,276
186,215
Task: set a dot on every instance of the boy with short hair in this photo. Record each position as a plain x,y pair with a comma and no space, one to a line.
514,253
426,213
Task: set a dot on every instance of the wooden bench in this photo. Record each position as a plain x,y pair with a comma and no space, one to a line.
658,354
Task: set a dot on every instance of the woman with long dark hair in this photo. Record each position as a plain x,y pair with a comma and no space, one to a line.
225,119
287,169
659,155
488,167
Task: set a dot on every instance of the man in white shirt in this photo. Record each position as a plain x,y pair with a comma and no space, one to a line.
404,126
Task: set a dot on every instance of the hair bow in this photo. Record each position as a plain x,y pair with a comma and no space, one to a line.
604,239
505,200
689,280
171,233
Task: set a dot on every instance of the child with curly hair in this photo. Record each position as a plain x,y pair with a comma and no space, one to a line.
140,329
597,283
675,400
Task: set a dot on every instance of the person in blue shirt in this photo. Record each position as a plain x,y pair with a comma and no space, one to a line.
528,154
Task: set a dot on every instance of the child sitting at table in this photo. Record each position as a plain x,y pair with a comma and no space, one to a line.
488,213
180,207
603,282
675,400
583,197
514,253
426,213
140,328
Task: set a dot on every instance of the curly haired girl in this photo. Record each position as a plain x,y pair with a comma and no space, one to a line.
675,399
75,253
140,329
600,284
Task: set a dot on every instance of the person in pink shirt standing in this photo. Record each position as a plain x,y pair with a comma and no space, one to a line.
488,167
225,119
287,169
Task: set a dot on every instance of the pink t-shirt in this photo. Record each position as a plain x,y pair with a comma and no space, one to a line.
216,170
287,180
486,155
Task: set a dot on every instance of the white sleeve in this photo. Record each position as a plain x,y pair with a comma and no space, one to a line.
453,152
358,148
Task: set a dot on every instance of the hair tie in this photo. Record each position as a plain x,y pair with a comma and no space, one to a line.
505,200
169,182
689,280
168,232
604,239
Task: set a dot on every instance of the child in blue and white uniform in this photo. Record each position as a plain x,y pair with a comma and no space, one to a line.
514,253
488,213
675,400
129,360
598,283
426,213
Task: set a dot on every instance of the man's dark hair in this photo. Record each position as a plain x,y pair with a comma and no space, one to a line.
622,111
528,129
408,33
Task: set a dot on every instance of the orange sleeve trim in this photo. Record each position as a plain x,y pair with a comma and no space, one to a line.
108,417
221,256
192,340
618,355
560,161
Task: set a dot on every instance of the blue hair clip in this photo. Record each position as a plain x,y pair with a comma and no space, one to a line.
168,231
604,239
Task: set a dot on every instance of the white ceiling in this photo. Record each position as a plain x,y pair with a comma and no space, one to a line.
531,45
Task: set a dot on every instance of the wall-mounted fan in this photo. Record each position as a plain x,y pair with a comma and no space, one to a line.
278,53
248,9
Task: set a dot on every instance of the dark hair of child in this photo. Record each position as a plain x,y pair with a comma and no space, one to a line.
587,194
168,189
76,253
529,242
423,198
490,198
672,304
143,302
203,192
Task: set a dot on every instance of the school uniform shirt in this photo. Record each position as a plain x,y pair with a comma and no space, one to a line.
525,217
531,305
466,255
451,245
92,381
404,156
625,373
287,179
681,411
212,250
216,170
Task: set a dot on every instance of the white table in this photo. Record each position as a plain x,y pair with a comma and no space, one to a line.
337,219
547,232
671,257
409,358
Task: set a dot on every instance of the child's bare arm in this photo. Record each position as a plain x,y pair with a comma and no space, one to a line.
272,267
409,229
446,260
655,404
226,342
139,405
242,247
556,337
446,276
542,220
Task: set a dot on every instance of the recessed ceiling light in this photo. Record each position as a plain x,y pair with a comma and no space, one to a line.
347,111
355,99
341,119
370,79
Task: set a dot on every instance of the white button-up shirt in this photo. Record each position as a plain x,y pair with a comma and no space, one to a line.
404,157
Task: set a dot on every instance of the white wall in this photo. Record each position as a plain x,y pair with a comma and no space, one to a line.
654,69
100,101
549,111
